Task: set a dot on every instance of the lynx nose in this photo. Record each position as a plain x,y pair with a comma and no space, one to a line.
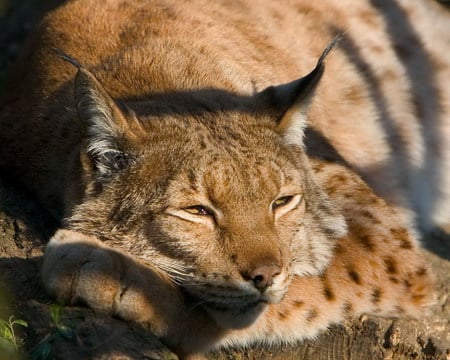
262,276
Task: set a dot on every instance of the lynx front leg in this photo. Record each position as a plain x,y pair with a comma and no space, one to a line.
81,269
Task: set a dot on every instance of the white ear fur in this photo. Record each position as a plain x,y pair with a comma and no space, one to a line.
293,124
101,129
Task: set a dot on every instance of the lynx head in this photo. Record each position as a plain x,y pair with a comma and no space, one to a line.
211,187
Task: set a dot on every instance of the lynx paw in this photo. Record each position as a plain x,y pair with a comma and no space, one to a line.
81,269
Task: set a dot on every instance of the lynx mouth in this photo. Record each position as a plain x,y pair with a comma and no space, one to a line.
235,317
229,312
237,309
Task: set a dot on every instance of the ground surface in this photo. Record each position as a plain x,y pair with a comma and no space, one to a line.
81,334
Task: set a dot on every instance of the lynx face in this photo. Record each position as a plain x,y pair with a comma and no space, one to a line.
183,191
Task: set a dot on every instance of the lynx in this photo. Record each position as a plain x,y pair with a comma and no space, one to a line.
221,171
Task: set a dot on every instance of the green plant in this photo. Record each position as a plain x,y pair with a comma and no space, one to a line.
44,349
9,342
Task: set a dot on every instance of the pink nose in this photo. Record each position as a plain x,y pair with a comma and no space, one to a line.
263,275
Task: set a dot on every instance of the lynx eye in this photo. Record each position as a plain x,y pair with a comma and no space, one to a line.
199,210
282,201
196,213
286,203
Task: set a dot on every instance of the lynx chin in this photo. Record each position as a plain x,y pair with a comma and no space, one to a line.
227,169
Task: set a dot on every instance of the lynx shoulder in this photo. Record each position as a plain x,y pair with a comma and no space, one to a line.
217,168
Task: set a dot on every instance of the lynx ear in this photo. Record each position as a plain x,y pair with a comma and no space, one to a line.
291,101
105,124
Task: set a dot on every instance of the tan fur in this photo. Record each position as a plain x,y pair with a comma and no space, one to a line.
178,105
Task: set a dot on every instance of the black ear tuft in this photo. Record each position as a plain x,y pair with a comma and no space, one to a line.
62,55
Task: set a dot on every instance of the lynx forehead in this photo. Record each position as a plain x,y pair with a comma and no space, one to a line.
221,173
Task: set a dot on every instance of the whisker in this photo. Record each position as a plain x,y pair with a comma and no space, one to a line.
197,304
